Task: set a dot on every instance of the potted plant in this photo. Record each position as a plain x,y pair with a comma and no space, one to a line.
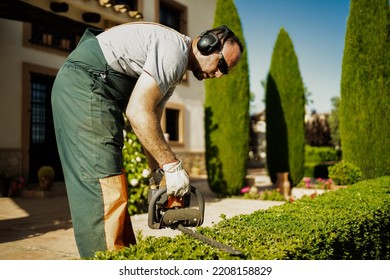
46,176
4,184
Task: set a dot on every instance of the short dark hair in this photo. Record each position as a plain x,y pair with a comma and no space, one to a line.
231,39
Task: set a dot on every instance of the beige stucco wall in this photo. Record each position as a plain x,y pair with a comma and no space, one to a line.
13,55
200,18
10,84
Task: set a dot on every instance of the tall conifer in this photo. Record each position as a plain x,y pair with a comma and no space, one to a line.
285,109
365,88
227,116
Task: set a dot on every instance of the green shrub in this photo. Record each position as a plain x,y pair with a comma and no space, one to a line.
318,159
321,170
321,154
309,169
138,173
47,172
272,195
317,131
351,223
344,173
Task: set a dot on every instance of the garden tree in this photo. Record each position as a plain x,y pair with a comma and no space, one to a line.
308,95
317,130
285,102
227,116
334,123
365,88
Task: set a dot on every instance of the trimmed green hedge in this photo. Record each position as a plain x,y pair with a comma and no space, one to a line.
321,154
352,223
318,159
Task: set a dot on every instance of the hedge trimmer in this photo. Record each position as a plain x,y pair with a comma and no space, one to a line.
175,213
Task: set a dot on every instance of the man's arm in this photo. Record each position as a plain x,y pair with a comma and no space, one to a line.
153,164
144,112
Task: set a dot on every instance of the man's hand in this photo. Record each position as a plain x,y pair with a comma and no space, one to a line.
178,183
158,177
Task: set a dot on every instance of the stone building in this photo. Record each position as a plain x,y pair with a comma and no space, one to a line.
37,36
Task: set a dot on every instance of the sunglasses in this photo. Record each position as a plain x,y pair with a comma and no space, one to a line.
222,65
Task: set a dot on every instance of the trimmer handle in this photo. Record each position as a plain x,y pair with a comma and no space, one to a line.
155,222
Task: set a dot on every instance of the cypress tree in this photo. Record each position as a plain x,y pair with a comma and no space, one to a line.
285,102
334,122
227,120
365,88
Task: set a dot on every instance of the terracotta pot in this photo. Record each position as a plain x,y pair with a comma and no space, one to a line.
283,184
45,183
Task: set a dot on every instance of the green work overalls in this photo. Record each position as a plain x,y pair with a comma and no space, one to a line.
88,100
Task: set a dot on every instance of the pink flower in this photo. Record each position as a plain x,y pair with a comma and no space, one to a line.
21,179
307,181
245,190
17,183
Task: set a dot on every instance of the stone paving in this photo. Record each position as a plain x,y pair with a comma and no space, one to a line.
41,228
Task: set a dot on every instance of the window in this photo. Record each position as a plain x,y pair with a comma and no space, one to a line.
40,107
38,111
172,123
39,143
174,15
53,38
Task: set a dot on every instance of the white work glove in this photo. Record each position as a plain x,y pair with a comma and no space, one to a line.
178,183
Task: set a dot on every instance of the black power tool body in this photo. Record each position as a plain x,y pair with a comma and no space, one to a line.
177,213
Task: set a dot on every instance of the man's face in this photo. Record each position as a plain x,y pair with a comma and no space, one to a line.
218,63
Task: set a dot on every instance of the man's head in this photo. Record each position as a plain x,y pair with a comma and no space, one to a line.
214,53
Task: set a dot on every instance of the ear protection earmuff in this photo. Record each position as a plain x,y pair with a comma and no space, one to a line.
209,40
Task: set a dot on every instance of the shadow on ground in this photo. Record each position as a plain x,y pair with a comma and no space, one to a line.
32,217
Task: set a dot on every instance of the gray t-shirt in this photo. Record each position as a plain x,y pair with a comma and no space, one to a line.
147,47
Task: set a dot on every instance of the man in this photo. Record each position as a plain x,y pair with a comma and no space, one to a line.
132,68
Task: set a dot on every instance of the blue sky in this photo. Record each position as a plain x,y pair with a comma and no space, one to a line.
317,30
